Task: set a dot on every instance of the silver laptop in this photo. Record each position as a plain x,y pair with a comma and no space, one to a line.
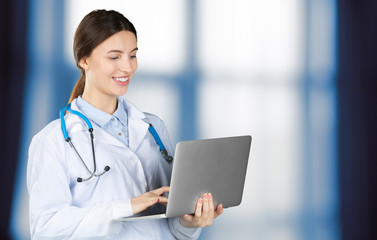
216,166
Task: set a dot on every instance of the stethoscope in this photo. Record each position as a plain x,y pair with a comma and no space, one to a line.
151,129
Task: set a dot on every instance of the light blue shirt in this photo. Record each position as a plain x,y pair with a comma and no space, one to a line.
115,124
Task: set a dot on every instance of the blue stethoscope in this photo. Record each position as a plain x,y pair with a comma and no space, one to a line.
151,129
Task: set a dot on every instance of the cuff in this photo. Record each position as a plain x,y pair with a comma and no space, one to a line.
182,232
121,209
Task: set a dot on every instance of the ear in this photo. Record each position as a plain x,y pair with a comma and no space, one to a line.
84,63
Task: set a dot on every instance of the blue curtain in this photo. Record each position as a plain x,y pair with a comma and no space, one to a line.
48,82
357,91
13,40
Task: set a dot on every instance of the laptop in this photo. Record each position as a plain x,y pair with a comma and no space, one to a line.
216,166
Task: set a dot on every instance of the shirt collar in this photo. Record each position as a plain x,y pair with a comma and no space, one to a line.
100,117
121,113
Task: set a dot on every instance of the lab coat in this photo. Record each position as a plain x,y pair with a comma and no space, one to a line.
62,208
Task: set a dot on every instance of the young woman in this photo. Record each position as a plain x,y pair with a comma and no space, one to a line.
82,182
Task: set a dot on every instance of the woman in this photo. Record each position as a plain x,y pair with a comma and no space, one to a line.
66,199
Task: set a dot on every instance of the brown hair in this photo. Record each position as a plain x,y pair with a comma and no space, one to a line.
94,28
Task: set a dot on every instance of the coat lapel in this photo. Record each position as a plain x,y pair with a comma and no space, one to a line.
137,131
137,125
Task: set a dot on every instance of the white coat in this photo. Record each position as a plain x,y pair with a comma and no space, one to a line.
62,208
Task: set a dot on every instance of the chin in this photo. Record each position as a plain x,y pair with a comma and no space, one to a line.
122,92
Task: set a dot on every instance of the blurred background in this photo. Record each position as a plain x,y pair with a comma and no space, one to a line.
298,75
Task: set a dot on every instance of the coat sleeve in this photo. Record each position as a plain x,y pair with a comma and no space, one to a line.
52,214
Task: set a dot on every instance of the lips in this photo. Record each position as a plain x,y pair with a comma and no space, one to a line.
121,79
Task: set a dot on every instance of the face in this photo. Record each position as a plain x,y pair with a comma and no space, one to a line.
110,66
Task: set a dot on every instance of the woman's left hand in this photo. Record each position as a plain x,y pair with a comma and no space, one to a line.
204,215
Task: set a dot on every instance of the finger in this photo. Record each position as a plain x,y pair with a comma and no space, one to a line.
161,190
205,213
142,202
210,202
163,200
198,210
211,209
151,200
219,210
188,217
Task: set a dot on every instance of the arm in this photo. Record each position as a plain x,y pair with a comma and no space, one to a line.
51,211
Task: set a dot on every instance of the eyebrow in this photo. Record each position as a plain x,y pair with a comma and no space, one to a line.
119,51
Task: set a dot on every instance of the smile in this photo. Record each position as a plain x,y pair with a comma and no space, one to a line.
120,79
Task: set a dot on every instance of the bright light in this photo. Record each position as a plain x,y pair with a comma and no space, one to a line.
252,37
160,25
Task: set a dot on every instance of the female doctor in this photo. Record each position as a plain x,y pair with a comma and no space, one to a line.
107,164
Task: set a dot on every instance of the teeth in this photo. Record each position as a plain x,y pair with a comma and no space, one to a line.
121,79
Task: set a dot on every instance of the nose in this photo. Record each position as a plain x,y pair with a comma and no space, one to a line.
126,66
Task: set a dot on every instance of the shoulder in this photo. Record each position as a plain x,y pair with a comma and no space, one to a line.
50,138
153,119
157,122
51,131
46,145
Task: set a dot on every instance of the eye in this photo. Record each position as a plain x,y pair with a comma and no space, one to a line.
114,58
133,57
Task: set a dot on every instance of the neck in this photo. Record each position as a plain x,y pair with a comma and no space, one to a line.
107,104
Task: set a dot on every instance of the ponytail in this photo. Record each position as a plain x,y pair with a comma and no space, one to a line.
79,87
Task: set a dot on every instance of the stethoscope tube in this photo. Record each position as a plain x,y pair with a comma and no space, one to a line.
107,168
68,139
151,129
157,138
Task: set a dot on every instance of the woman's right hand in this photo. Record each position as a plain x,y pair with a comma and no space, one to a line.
144,201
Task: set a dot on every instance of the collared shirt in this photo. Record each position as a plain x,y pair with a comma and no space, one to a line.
115,124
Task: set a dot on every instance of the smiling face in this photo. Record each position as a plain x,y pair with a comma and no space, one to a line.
109,68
